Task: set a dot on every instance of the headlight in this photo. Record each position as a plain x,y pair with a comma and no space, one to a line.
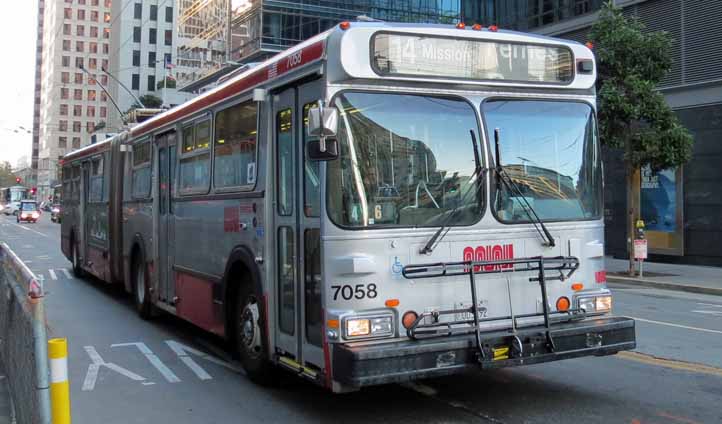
23,215
36,215
56,210
596,303
378,326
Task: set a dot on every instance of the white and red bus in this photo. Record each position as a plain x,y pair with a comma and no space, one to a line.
380,203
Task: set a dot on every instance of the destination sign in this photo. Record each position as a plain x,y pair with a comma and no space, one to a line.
438,57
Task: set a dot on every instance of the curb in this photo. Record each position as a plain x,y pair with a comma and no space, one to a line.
666,286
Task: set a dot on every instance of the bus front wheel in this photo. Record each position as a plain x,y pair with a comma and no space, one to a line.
250,335
77,267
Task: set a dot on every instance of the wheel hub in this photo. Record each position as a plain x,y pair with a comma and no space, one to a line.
250,332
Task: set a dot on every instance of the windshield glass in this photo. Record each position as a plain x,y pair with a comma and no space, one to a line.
405,161
550,150
28,206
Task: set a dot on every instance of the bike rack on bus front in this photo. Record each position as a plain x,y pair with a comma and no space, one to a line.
565,266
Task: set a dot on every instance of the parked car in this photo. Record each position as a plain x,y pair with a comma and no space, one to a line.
55,213
28,212
45,206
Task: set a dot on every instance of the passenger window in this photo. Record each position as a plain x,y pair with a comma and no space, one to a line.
235,146
311,180
285,149
76,183
195,158
96,180
140,185
67,183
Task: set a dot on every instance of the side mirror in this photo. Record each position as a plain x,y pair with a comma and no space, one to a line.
329,151
322,121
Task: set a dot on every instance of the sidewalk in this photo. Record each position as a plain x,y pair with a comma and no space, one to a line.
5,402
691,278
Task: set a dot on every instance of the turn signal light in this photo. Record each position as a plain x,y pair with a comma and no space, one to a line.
409,318
577,286
391,303
563,304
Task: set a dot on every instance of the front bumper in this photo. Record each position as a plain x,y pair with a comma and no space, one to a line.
364,364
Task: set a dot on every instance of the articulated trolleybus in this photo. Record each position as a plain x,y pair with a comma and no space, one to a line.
380,203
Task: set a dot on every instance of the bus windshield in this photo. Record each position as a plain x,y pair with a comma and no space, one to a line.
405,161
550,150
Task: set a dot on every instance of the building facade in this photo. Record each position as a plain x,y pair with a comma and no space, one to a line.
143,43
75,47
682,208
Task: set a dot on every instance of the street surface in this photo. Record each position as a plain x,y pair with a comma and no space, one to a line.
126,370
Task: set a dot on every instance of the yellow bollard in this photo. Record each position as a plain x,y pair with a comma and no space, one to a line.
59,384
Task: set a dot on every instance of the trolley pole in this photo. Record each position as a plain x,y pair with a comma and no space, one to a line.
59,384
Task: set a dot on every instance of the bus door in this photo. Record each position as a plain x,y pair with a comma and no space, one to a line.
297,230
84,215
166,243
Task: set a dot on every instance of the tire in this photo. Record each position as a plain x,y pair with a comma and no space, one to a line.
77,267
141,289
249,337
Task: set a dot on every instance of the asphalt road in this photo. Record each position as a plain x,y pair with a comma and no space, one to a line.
126,370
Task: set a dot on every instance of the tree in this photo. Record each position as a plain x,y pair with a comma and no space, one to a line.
150,101
7,178
632,114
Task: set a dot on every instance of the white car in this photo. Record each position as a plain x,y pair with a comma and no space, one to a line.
11,208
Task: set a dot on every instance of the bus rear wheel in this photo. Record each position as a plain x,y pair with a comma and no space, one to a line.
141,290
77,267
249,336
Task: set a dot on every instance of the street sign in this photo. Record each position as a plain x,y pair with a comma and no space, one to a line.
640,249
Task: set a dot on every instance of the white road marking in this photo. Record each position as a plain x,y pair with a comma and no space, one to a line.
707,330
182,351
41,257
52,274
710,304
709,312
67,274
26,228
92,375
157,363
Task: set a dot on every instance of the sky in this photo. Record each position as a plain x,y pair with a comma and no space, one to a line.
17,38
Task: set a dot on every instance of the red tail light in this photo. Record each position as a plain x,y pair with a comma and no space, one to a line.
493,28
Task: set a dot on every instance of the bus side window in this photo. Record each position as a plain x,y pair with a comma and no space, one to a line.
195,158
140,180
96,180
235,146
75,183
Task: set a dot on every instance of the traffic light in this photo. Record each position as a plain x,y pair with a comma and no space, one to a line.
33,190
17,180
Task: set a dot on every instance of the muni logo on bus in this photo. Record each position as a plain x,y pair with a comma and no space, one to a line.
490,253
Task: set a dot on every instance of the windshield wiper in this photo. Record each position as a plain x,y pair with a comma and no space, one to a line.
433,241
514,188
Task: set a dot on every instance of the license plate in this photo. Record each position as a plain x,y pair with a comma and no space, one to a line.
464,316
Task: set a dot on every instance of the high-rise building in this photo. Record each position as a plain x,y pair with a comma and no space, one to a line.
37,93
142,55
75,47
680,207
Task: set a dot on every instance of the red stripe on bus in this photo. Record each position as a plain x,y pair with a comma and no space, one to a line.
268,72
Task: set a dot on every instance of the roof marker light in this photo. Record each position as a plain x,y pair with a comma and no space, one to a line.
589,45
493,28
344,25
461,25
477,27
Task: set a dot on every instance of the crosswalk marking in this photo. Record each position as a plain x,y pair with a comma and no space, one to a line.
52,274
67,274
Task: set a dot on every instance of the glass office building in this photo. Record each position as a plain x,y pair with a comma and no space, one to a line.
262,28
